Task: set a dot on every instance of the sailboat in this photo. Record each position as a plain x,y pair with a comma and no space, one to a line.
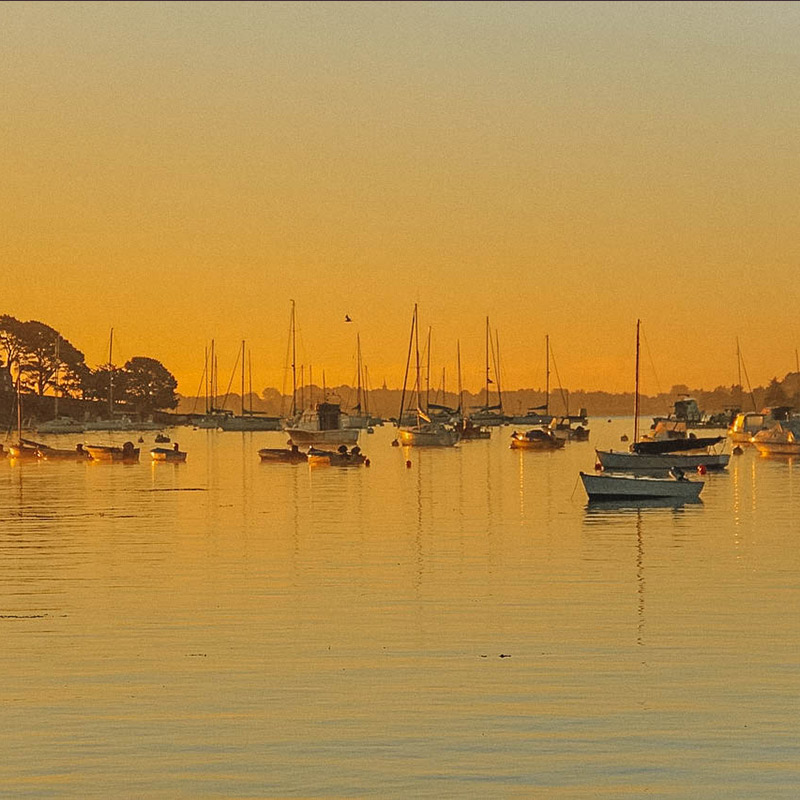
22,448
538,415
249,420
324,423
489,414
658,456
426,432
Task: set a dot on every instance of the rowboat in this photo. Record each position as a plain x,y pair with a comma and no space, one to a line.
168,454
127,453
282,455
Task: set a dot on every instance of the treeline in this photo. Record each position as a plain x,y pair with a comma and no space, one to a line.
36,360
386,402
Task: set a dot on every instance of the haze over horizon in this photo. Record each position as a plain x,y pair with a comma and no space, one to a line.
181,171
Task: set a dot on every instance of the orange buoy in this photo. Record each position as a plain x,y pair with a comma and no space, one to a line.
702,469
408,465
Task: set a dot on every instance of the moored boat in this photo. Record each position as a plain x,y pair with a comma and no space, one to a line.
168,454
126,454
777,441
429,434
63,454
619,487
337,458
282,455
324,424
536,439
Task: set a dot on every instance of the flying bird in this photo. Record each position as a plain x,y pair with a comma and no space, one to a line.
347,318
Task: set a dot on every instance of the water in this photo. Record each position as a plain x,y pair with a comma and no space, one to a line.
468,627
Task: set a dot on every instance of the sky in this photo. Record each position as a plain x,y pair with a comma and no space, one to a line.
182,171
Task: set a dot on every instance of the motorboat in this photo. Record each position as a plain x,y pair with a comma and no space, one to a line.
602,486
337,458
324,424
748,423
570,428
168,454
777,441
24,449
536,439
127,454
282,455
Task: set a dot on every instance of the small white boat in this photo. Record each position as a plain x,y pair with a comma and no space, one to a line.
429,434
620,487
776,441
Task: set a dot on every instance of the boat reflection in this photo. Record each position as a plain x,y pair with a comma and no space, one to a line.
595,506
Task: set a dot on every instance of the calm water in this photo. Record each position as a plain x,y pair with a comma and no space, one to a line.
467,627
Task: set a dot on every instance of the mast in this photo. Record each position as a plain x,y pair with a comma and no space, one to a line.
58,375
460,388
250,377
294,363
428,372
242,377
739,368
358,373
408,364
487,363
416,348
19,405
303,385
497,370
547,374
110,376
206,377
636,396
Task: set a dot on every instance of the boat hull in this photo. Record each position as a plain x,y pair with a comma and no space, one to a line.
165,454
112,453
441,438
612,460
301,437
279,455
625,487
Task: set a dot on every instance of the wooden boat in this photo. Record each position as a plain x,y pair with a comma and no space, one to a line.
24,449
777,441
63,454
536,439
126,454
168,454
282,455
620,487
337,458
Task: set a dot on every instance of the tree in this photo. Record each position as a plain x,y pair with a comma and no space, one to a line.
48,360
148,385
775,396
41,355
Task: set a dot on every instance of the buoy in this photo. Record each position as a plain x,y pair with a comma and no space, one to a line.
702,469
737,451
598,467
366,463
623,438
408,465
395,443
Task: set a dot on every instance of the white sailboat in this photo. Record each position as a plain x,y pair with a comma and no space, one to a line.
426,432
657,457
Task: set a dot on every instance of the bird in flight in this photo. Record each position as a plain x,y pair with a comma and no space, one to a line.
347,318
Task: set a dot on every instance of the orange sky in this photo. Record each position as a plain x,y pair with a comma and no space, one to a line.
180,171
